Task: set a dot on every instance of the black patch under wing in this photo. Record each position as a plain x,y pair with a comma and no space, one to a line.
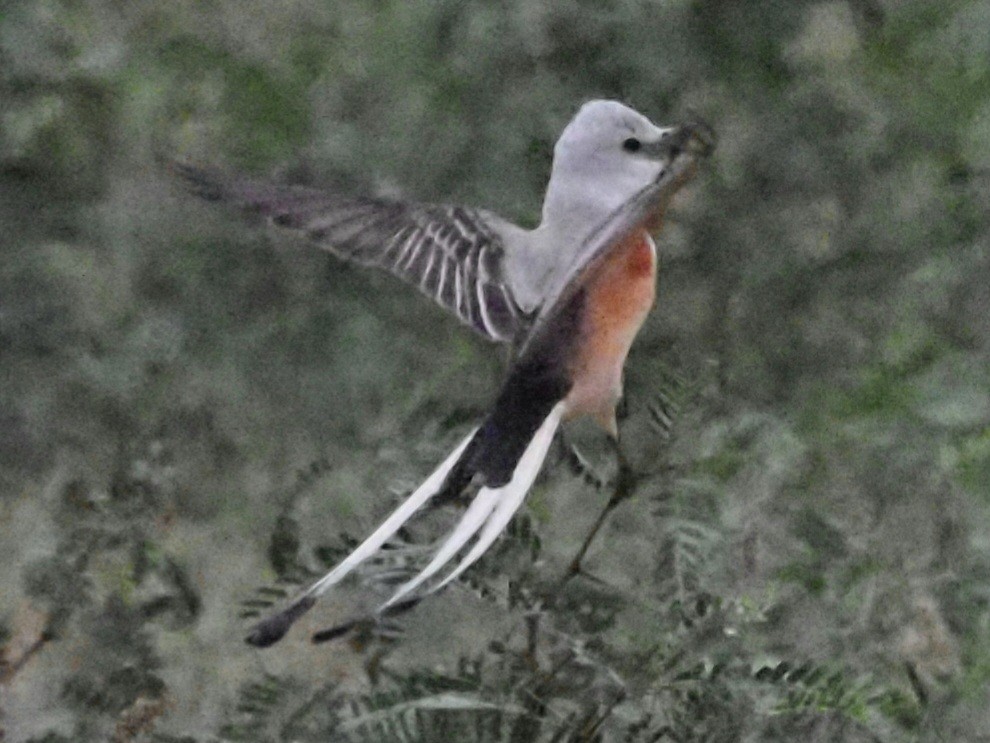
539,379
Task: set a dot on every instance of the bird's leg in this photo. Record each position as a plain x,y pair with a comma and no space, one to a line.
625,485
625,478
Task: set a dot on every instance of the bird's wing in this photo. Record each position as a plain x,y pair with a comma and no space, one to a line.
688,145
595,248
453,254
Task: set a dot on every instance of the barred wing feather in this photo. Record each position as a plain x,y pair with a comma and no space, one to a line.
452,254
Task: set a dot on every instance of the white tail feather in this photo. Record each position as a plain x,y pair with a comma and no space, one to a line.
472,520
391,525
512,494
506,501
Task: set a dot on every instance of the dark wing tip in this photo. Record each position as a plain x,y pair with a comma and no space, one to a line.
287,206
269,631
203,182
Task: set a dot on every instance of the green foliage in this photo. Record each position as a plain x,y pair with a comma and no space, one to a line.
271,113
190,409
560,673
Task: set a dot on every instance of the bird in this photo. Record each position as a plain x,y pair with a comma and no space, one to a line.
568,297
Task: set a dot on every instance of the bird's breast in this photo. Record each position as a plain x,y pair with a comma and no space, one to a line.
619,296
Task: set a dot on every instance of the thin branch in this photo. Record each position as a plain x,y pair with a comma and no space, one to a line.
10,668
625,485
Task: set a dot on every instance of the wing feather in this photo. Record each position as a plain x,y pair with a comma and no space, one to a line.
452,254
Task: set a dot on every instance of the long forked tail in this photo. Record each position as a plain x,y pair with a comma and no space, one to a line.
489,513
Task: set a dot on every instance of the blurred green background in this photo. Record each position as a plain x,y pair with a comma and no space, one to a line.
190,406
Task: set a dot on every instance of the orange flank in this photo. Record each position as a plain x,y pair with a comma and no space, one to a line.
619,296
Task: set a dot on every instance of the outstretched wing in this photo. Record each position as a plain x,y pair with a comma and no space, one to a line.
453,254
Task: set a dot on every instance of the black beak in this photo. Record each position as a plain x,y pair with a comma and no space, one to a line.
695,138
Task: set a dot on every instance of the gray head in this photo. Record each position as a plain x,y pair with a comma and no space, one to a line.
605,155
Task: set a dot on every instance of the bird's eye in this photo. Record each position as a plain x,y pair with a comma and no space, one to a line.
632,145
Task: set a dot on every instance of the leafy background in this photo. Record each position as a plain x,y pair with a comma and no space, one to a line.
192,409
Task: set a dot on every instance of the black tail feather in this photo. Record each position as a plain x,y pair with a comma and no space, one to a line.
345,628
524,403
269,631
538,381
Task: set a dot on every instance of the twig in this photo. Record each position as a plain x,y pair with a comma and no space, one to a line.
10,668
625,485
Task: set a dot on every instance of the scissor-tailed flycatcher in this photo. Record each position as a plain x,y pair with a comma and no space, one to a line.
570,295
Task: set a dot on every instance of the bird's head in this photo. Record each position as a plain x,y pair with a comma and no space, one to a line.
609,153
